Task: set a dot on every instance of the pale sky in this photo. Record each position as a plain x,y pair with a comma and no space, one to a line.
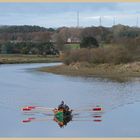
65,14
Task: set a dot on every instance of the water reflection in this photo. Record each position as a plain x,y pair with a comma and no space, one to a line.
55,119
65,121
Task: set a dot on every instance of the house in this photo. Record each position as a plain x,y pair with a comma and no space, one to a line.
73,40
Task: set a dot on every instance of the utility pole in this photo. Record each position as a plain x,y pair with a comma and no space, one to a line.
77,19
114,21
100,21
137,21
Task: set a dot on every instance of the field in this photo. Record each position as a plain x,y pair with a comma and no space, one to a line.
72,46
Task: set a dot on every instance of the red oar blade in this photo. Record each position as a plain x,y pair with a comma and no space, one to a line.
26,121
97,109
28,108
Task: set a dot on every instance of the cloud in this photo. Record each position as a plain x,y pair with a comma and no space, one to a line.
64,14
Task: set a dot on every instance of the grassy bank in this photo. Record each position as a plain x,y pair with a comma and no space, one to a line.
18,58
99,70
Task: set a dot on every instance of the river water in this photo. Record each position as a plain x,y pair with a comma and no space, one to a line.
22,85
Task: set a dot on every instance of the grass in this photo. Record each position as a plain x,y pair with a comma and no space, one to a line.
72,46
18,58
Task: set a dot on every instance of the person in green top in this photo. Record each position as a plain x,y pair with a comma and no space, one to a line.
59,116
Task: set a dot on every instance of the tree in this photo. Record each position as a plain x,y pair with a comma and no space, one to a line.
89,42
60,43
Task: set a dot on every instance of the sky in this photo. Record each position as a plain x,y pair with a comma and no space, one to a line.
65,14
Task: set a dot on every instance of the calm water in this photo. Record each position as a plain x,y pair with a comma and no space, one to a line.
21,85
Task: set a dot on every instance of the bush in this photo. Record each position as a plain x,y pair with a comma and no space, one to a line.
115,55
98,55
77,55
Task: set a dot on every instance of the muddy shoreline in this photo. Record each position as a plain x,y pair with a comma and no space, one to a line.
121,71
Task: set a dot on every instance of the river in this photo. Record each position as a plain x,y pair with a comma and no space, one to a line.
22,85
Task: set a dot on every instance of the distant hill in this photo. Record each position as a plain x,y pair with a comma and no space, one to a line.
21,29
63,35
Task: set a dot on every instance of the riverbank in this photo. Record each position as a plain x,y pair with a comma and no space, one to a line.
18,58
100,70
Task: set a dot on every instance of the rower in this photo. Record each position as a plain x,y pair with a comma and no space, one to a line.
59,117
63,106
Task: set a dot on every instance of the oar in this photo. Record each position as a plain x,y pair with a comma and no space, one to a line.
51,119
29,108
36,120
95,109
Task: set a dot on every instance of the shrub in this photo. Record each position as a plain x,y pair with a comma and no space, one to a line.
77,55
117,55
98,55
113,54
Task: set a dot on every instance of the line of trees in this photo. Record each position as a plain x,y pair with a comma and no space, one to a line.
45,48
33,39
36,33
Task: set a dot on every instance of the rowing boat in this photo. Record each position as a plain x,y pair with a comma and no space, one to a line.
60,116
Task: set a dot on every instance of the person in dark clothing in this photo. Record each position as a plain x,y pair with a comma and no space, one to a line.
61,106
66,107
66,110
